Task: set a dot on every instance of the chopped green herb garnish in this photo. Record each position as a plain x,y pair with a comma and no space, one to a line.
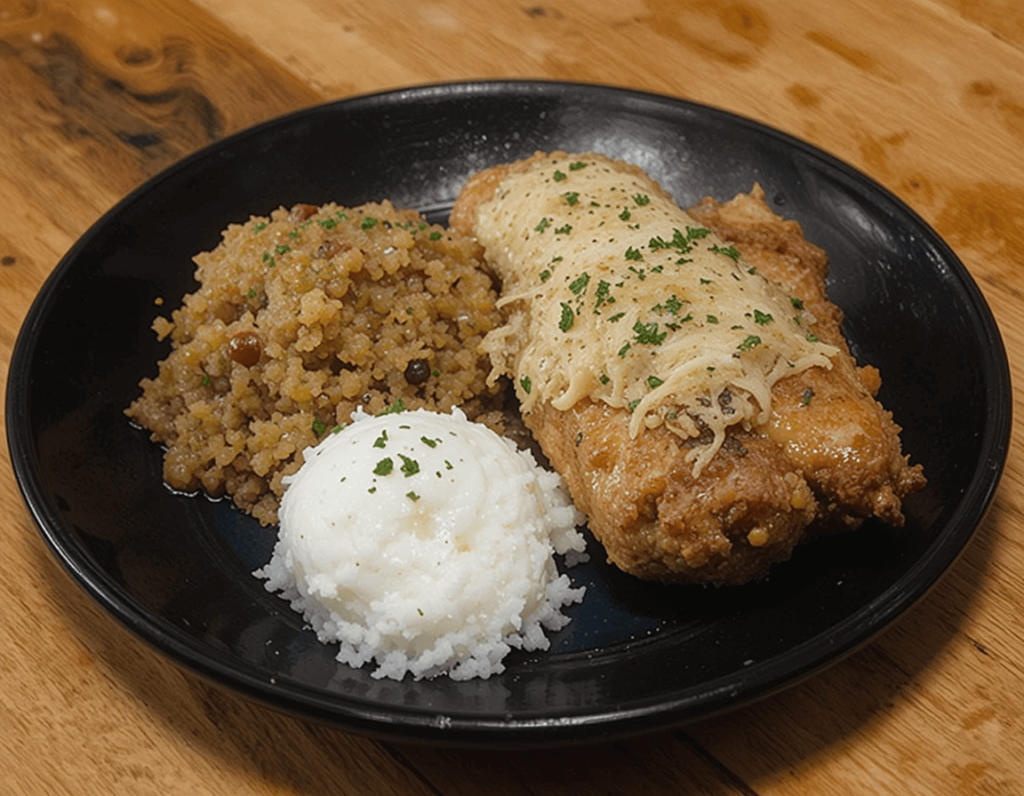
633,254
319,427
603,378
409,466
327,223
545,275
369,222
206,379
625,215
568,316
808,395
572,197
641,199
564,230
384,467
543,224
430,443
579,284
634,404
559,176
394,409
526,384
413,497
435,235
259,227
382,440
671,306
648,334
654,382
577,165
762,318
749,342
617,317
679,241
729,251
712,319
812,337
797,303
625,349
602,295
252,292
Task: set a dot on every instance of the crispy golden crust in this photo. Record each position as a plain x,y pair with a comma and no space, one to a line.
747,509
833,430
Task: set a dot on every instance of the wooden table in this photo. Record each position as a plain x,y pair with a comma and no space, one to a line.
926,96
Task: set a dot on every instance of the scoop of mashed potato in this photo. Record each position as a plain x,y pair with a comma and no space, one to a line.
425,542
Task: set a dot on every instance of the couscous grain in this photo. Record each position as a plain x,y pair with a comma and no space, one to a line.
299,318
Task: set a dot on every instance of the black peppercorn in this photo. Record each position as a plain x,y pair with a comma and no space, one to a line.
417,371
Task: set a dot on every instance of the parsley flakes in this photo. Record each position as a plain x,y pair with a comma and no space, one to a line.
567,319
751,341
409,466
579,284
648,334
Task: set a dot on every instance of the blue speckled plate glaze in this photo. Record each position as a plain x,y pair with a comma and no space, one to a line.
175,569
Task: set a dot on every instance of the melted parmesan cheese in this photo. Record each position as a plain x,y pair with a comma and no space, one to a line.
618,295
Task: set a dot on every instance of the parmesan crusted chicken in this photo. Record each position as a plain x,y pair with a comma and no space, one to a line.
828,421
685,372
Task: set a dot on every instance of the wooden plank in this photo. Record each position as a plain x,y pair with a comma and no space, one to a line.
99,96
926,97
662,764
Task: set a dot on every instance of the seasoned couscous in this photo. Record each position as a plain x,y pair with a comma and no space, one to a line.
301,317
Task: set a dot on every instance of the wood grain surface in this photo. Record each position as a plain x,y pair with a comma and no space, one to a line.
925,96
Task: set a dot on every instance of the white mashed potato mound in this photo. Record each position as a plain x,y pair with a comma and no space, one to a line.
425,542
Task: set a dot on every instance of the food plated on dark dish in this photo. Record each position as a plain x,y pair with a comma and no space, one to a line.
636,653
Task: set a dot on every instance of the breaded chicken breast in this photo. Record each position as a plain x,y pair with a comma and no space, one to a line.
828,421
684,372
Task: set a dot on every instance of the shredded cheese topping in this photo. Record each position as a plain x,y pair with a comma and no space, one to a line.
616,294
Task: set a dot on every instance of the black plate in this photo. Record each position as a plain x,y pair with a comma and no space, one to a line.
637,656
